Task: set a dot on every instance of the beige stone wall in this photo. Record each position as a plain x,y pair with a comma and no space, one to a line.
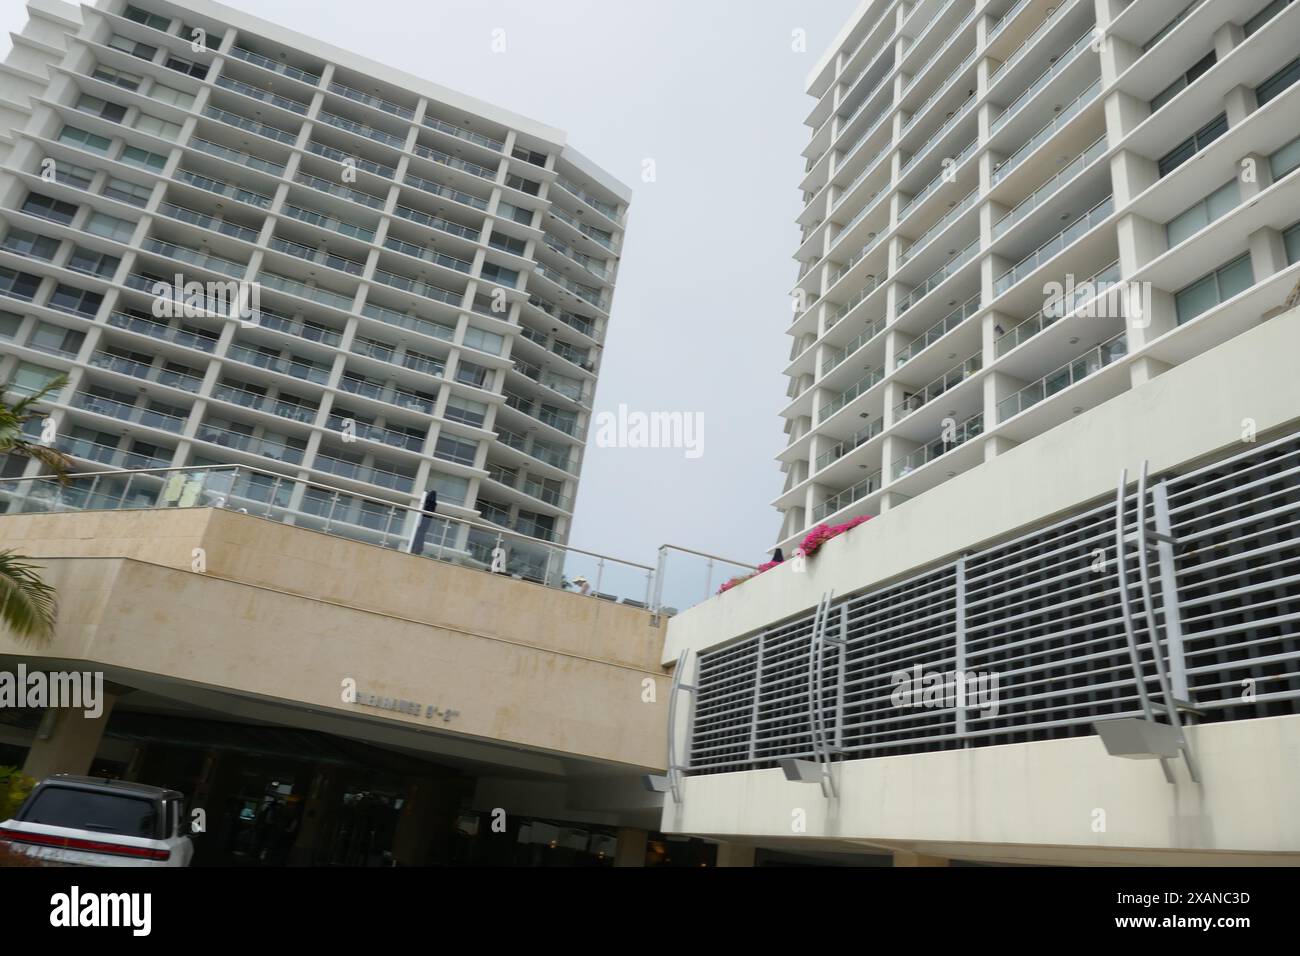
288,614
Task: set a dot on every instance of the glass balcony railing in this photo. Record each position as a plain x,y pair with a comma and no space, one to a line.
325,221
294,287
428,255
347,159
1006,18
237,193
599,236
309,254
454,162
936,278
1048,130
274,363
252,126
391,437
105,455
446,192
1027,44
867,486
194,257
944,383
576,322
267,448
163,332
343,192
840,449
204,221
381,477
1092,361
937,331
235,156
266,63
1070,234
259,401
945,174
835,356
962,205
362,130
388,394
265,96
300,328
857,257
437,222
135,414
1061,62
587,293
1098,284
971,428
400,320
377,102
1049,188
460,133
947,124
605,209
420,287
148,373
872,378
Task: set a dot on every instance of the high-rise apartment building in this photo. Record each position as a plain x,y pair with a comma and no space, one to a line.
419,283
1016,211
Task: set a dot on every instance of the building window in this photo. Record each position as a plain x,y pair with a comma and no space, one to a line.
466,411
1187,79
18,285
165,94
55,210
1274,86
450,489
110,227
157,127
1219,286
142,51
1261,18
515,213
111,74
56,340
1220,202
70,174
84,140
467,373
529,156
1285,160
134,156
500,275
1189,147
523,185
9,323
30,244
94,263
68,298
450,448
1291,239
30,379
154,20
126,192
187,67
101,108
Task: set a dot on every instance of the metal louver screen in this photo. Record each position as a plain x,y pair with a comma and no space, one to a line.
1041,612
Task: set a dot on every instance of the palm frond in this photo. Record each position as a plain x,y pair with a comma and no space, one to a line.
28,606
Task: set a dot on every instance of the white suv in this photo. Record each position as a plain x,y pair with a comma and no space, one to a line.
84,821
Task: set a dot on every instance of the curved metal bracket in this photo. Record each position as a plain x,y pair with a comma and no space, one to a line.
816,705
675,767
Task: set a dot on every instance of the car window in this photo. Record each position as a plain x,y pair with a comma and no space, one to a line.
97,812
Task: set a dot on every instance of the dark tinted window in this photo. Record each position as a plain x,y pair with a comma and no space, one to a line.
97,812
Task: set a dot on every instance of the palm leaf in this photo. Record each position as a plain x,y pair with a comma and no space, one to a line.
28,605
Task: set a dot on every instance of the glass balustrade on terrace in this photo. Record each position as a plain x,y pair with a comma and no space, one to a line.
944,175
461,133
388,394
962,205
125,366
376,433
370,475
937,331
872,378
419,287
204,221
1047,131
835,357
1091,362
838,312
275,66
265,96
135,414
252,126
378,102
1028,42
105,455
1062,61
401,320
1070,234
427,254
455,162
274,363
324,221
299,251
347,159
240,441
437,222
945,382
194,257
343,192
840,449
1035,199
237,193
446,192
1006,18
867,486
292,286
263,403
939,275
235,156
971,428
163,332
1104,282
948,124
604,208
298,327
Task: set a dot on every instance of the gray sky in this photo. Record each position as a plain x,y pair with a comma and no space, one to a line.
712,92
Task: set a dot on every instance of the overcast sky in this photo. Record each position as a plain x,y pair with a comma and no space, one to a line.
712,92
